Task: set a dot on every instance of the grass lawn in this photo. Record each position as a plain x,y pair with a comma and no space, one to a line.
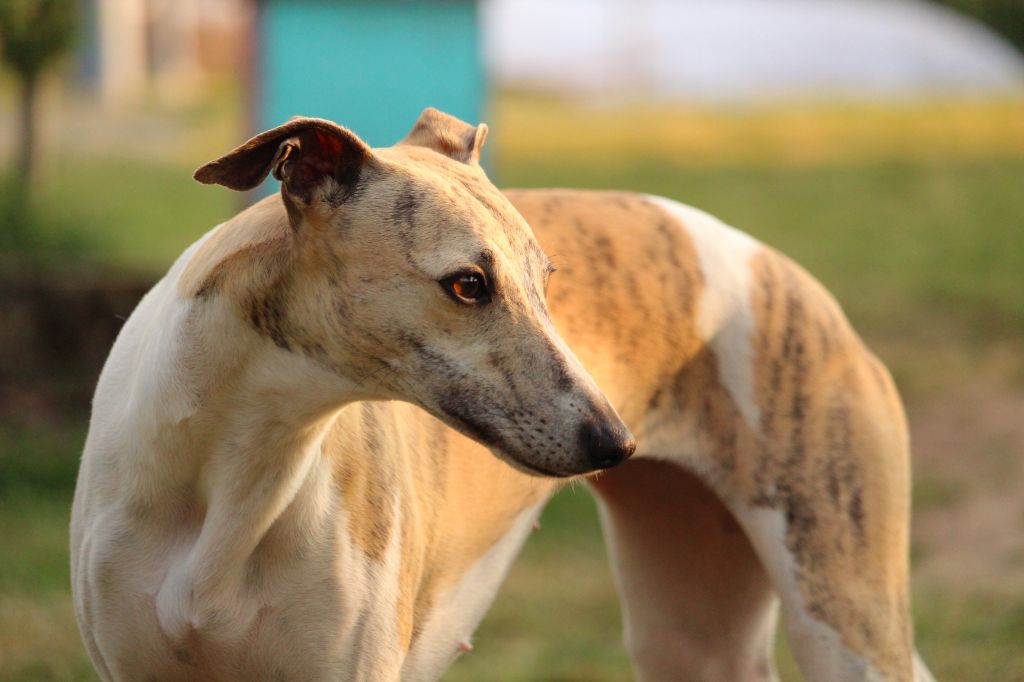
919,234
124,213
557,617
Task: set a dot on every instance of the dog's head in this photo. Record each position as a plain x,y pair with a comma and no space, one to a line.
408,273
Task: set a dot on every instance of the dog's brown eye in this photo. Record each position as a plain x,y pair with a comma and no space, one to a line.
467,287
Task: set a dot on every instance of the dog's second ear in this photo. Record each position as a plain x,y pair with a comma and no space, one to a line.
308,155
448,135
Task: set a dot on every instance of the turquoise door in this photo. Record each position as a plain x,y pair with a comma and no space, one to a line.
370,65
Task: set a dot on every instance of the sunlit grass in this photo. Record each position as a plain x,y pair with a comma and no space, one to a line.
913,216
39,640
38,636
541,129
557,617
925,258
127,213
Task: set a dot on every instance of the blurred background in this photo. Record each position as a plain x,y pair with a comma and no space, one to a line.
878,142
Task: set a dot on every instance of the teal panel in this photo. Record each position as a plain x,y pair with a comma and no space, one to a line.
370,65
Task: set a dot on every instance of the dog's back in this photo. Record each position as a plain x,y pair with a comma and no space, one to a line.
728,359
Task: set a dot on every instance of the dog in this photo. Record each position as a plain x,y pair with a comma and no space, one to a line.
320,440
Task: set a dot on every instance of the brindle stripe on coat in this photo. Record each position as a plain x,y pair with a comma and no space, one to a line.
629,316
365,474
824,406
825,403
824,428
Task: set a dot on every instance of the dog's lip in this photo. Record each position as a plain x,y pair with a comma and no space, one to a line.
535,470
499,446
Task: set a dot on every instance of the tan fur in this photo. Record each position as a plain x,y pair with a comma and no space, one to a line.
626,290
830,414
402,463
448,136
644,346
653,361
319,453
451,521
367,479
831,449
247,240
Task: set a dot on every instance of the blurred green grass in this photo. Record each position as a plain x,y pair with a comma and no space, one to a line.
557,617
897,243
122,213
924,250
919,254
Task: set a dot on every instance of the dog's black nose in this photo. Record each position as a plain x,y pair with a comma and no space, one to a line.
606,443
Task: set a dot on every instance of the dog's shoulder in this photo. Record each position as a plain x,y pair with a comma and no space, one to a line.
612,230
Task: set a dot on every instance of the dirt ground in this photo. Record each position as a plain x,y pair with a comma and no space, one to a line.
969,489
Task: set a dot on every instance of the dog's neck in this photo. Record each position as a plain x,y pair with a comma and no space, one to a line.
237,463
255,456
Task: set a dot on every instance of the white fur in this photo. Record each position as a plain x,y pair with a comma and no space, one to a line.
196,421
724,316
207,432
816,646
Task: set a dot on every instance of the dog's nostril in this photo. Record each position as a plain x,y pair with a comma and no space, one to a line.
606,445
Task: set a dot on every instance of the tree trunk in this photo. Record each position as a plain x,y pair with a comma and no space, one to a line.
27,138
15,204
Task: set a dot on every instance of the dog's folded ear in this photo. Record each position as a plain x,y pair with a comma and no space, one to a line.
448,135
306,154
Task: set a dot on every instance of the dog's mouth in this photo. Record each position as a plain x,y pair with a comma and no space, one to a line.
533,469
540,446
471,425
486,433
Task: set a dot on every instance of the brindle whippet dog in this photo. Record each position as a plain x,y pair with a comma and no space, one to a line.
290,472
